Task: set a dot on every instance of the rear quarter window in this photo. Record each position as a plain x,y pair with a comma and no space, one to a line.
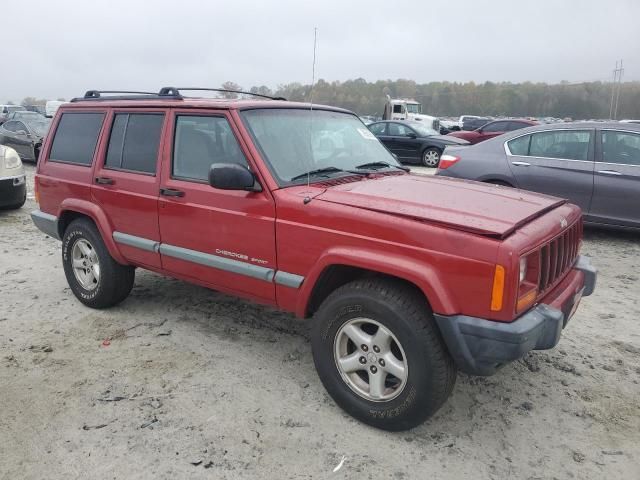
76,138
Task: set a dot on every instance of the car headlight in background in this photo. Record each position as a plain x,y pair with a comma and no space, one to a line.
11,159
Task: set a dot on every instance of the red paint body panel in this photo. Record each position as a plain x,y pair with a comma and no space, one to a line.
478,135
445,236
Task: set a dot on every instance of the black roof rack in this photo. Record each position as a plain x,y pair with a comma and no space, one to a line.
164,93
115,95
175,91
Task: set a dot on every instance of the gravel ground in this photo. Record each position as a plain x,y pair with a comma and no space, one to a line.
181,381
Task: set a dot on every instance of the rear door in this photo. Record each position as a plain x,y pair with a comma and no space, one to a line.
555,162
616,195
380,131
126,182
224,238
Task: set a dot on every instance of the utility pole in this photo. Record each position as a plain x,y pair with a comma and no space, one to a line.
615,90
621,72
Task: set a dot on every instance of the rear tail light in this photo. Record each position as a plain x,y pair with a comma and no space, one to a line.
447,160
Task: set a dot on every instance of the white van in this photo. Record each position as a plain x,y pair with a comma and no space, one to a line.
51,108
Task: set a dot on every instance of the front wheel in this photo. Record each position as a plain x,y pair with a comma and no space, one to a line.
431,157
380,355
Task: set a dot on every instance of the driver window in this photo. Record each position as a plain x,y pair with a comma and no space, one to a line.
494,127
397,109
201,141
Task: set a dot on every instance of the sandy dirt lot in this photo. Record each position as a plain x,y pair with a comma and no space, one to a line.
195,383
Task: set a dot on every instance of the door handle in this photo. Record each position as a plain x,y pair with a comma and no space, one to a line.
104,181
609,172
171,192
521,164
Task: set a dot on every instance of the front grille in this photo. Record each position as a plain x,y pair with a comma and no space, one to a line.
558,256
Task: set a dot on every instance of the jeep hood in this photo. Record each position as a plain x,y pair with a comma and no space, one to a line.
462,204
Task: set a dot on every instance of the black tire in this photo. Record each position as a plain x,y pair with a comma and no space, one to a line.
115,280
16,206
429,158
404,312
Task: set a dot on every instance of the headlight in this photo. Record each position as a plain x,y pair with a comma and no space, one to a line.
523,268
11,158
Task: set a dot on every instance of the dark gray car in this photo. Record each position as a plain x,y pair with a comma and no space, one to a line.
25,136
594,165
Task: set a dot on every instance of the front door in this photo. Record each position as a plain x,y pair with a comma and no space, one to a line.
555,162
616,195
16,135
403,142
126,181
224,238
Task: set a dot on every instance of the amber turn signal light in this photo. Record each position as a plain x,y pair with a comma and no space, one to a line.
497,294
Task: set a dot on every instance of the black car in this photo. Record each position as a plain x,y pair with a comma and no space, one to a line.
25,135
473,123
413,142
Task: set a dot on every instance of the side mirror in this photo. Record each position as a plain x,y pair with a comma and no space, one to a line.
231,176
21,132
411,135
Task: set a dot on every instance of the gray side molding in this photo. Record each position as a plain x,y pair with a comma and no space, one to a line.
234,266
46,222
137,242
288,279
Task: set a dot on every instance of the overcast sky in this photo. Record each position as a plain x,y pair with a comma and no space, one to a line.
62,48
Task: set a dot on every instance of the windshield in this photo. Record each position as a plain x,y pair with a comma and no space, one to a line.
423,130
39,127
15,108
296,141
414,108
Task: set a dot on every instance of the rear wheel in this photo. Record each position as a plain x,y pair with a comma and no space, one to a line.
380,355
431,157
95,278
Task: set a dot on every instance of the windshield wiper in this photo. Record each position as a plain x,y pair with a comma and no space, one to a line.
320,171
383,165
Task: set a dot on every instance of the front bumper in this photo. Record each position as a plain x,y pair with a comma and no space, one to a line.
480,347
12,190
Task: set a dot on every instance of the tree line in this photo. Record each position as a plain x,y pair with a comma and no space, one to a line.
443,99
576,100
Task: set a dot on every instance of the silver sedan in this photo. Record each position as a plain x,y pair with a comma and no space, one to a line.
594,165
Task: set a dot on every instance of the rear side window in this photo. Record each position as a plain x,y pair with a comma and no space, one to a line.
520,145
378,128
199,142
621,147
76,138
134,142
563,144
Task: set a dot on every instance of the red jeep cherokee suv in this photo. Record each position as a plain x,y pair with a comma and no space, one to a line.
407,278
